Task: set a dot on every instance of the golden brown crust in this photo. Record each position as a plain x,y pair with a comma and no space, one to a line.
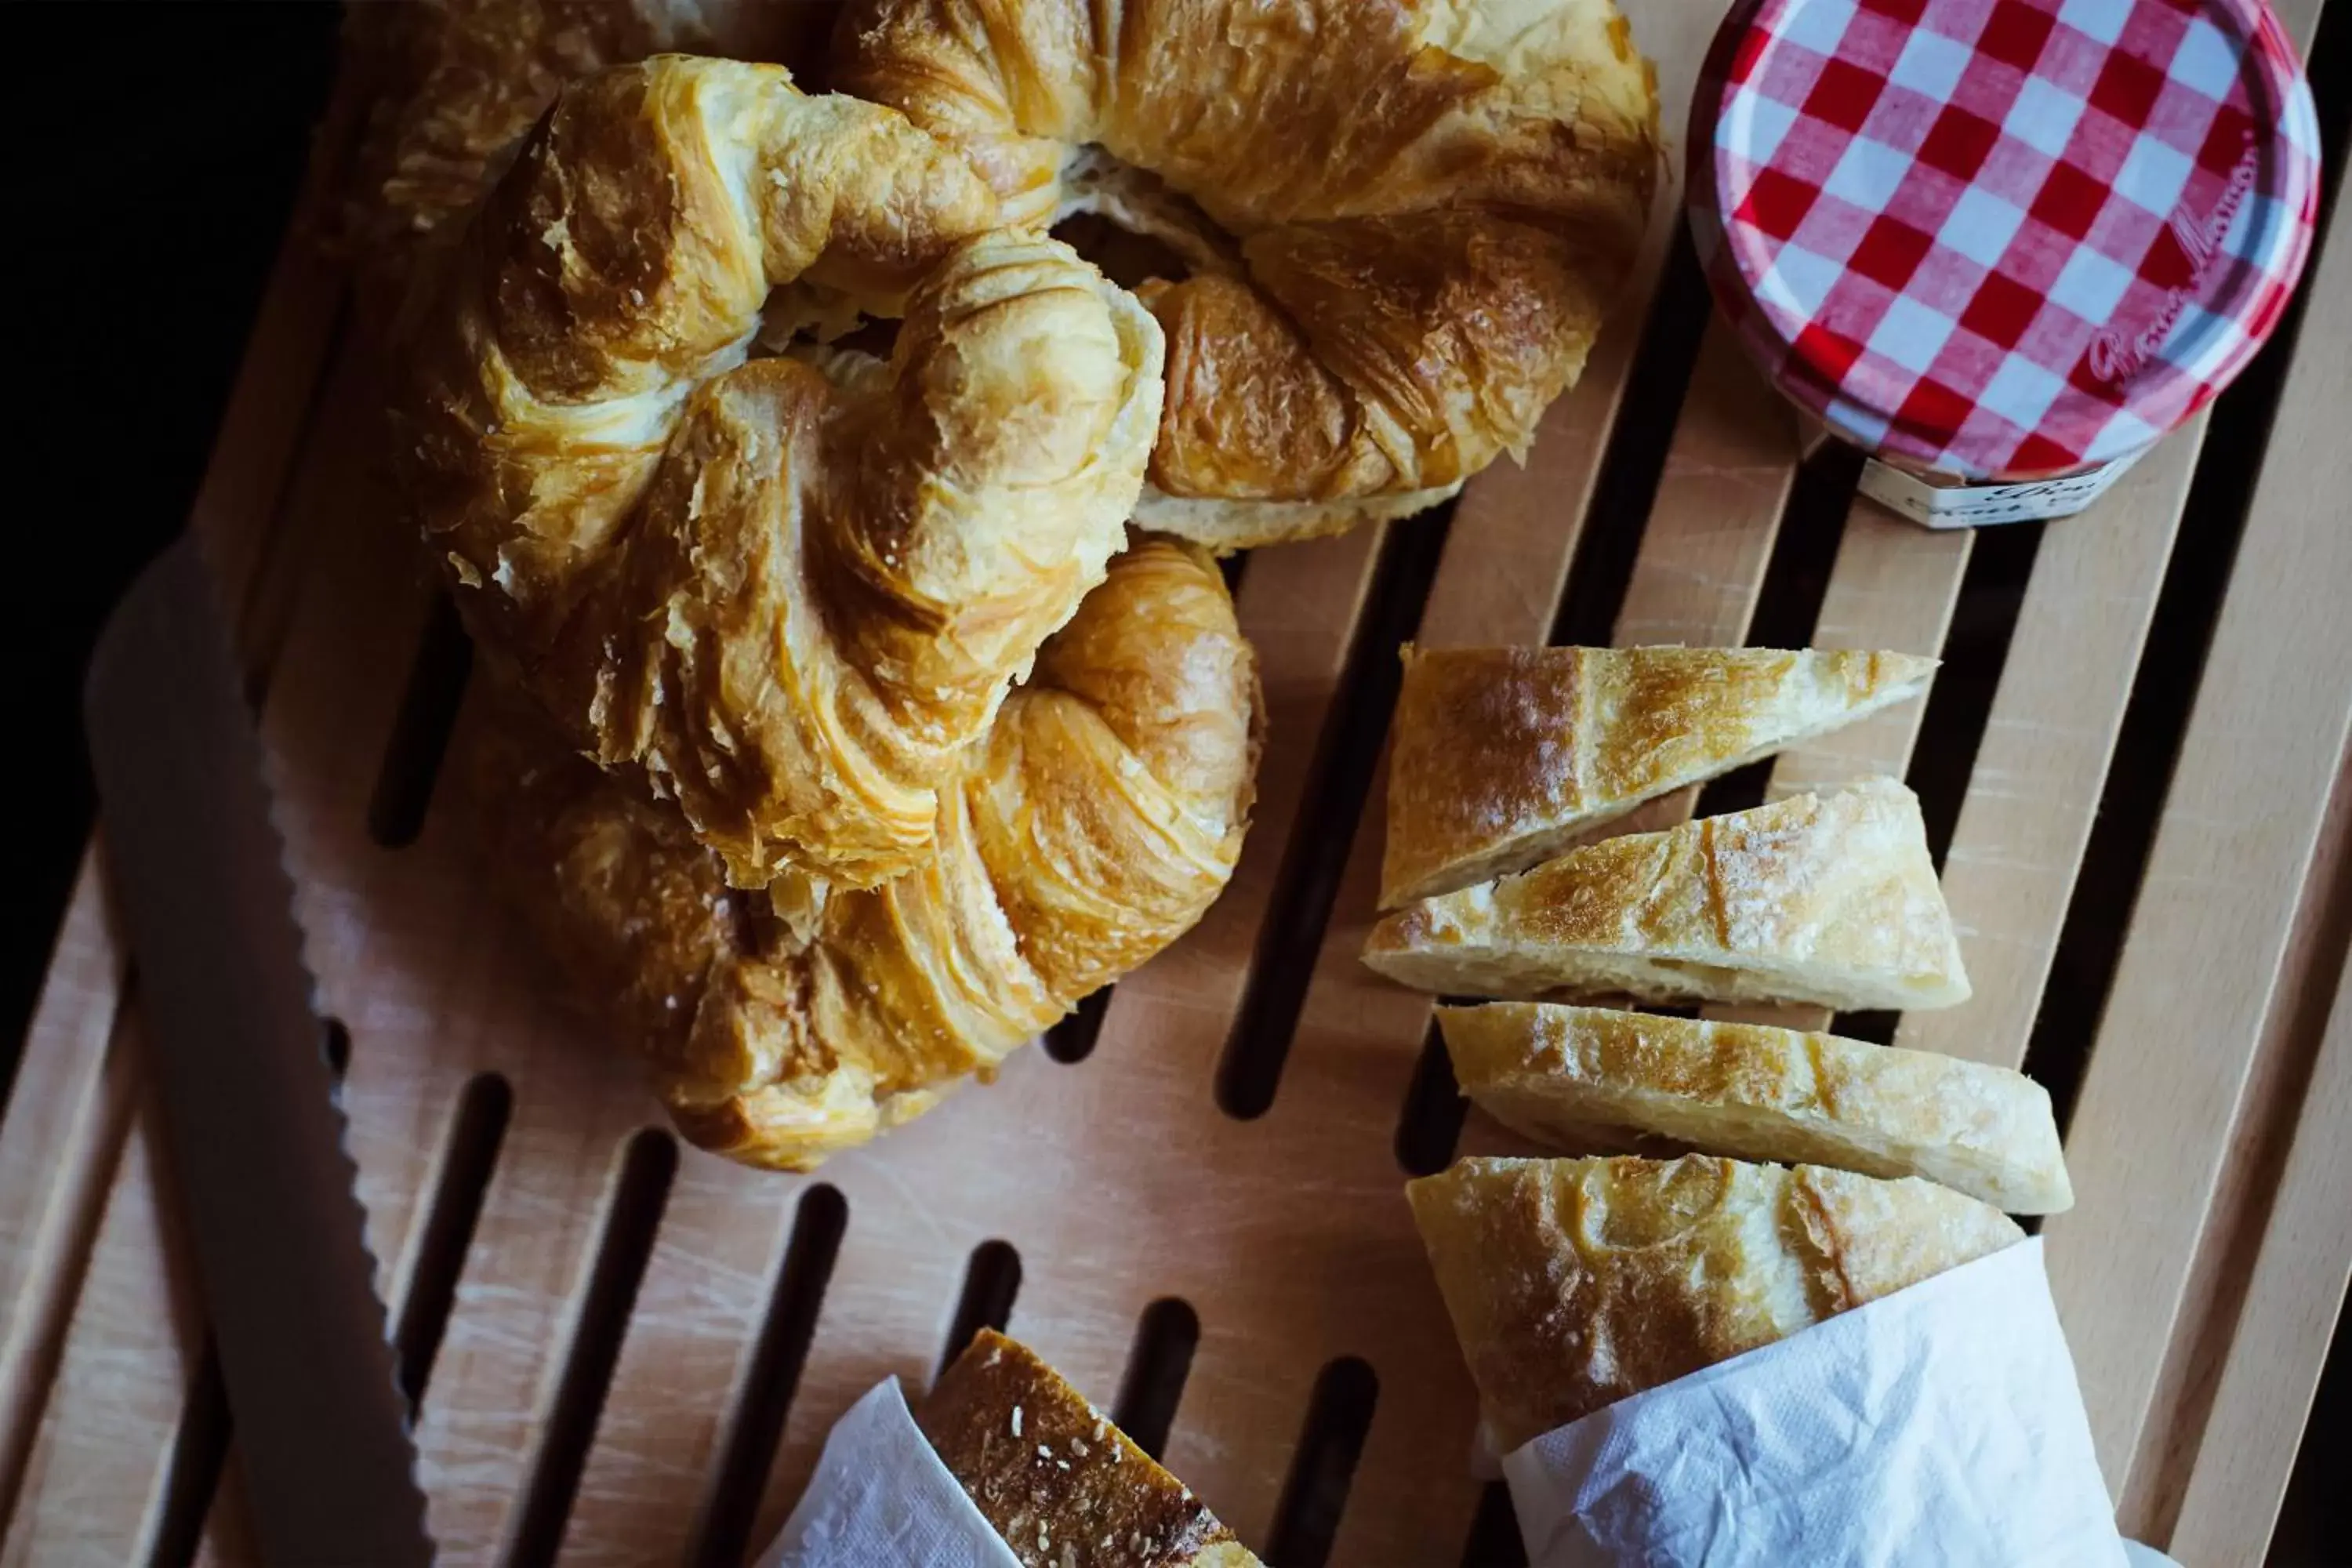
786,596
1830,899
450,87
1576,1283
1055,1477
1572,1076
1503,755
1100,818
1433,201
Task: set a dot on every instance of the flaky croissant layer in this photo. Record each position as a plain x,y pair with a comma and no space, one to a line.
1403,221
1407,216
1097,822
444,90
786,598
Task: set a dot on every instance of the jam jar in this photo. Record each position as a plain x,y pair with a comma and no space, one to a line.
2002,246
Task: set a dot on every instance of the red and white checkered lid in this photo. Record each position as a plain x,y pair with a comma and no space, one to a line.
2003,238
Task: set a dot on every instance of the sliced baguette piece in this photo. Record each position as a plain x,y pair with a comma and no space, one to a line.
1830,899
1503,754
1576,1283
1582,1078
1052,1475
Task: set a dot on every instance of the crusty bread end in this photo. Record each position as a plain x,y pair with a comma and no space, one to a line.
1054,1475
1576,1283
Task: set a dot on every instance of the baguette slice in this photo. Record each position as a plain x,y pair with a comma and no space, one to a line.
1053,1475
1578,1077
1576,1283
1812,898
1504,754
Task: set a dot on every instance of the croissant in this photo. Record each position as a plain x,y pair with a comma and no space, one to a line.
786,594
1402,220
448,88
1101,817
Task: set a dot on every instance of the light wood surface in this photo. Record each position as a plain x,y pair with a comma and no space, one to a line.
2253,1176
1119,1180
2200,973
99,1465
1893,587
2034,790
1717,513
2292,1304
65,1121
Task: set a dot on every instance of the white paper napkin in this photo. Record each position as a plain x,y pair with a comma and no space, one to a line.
881,1496
1938,1425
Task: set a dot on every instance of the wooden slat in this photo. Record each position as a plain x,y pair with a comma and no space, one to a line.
1718,515
683,1368
64,1129
2197,975
908,1294
2216,1294
98,1473
2042,765
1893,587
502,1357
1517,530
2293,1303
388,970
433,987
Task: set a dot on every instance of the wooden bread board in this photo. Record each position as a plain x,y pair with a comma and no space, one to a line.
633,1359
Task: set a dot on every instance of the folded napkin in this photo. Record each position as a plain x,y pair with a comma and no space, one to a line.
881,1498
1941,1425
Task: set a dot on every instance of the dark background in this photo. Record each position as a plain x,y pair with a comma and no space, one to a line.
158,153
